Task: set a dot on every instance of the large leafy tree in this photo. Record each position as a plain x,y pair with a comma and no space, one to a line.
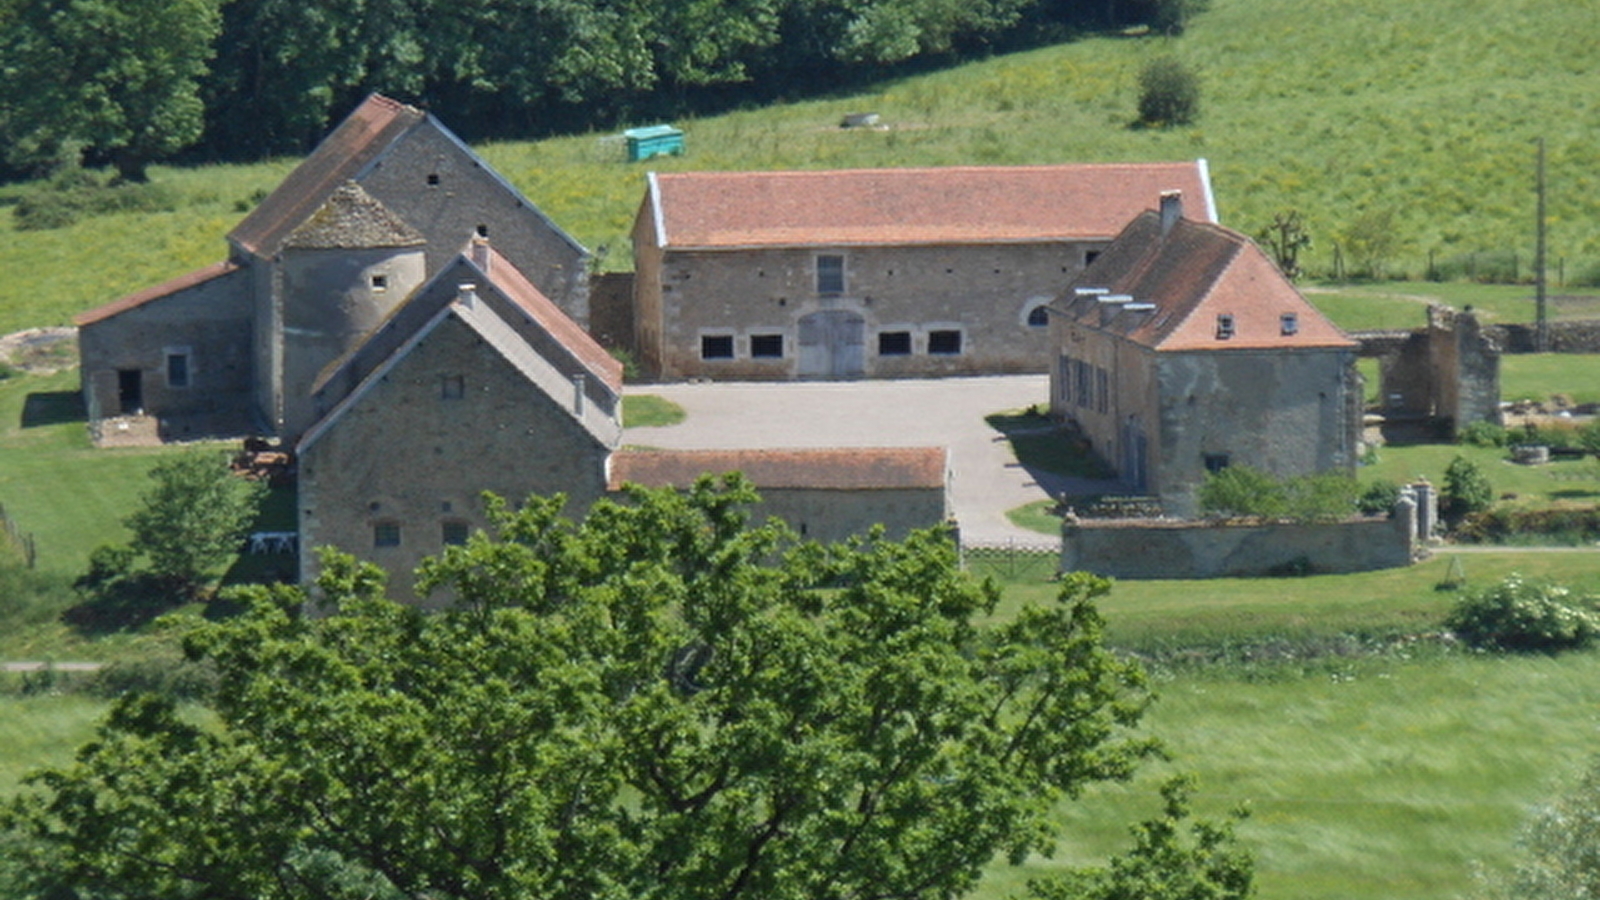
116,78
659,703
192,519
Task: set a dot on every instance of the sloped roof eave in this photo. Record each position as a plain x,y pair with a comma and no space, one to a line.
151,294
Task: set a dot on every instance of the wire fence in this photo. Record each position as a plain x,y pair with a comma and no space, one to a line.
13,540
1012,558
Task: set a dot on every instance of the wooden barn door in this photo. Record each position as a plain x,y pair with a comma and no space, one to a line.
832,344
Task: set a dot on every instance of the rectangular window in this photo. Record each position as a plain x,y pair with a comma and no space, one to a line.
177,370
453,533
1064,379
944,343
766,346
386,534
830,275
1288,324
894,343
1216,462
1224,327
716,346
1102,390
452,387
1082,383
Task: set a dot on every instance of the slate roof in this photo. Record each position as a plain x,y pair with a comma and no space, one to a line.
959,204
1186,279
165,289
853,469
353,219
363,136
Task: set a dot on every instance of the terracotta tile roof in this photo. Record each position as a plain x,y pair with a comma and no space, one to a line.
353,219
854,469
360,138
586,350
961,204
165,289
1185,280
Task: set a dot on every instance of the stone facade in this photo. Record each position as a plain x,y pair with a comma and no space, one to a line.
396,472
905,273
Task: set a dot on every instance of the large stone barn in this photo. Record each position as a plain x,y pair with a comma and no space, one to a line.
874,273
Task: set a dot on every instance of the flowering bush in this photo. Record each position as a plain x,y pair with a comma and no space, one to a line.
1525,614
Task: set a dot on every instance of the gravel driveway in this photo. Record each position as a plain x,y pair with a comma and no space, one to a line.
986,479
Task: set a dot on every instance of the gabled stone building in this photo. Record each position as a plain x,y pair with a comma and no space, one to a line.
1182,349
387,199
876,273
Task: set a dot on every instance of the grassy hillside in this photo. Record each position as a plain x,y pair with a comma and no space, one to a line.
1405,119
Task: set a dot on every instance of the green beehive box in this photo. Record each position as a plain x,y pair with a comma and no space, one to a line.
656,140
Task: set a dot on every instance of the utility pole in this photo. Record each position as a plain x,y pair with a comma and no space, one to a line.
1541,322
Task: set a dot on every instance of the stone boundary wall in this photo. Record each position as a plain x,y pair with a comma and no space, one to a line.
1575,336
1149,549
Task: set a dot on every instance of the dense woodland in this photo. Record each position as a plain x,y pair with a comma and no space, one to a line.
131,81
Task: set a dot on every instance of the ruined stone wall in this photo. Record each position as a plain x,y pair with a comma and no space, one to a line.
1149,550
1581,336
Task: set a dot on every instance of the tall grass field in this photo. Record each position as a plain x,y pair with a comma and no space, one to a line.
1405,128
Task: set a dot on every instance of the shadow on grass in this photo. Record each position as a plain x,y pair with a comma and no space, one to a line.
1573,494
53,408
126,605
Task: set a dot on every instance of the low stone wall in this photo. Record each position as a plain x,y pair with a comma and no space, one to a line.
1576,336
1145,549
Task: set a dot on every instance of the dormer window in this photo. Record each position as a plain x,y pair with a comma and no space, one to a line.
1224,326
1288,324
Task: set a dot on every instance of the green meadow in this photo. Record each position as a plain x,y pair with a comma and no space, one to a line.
1402,132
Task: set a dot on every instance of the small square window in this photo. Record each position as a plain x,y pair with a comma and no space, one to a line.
830,275
716,346
1288,324
1224,327
380,283
386,534
944,343
453,533
894,343
1089,256
178,370
433,179
766,346
452,387
1216,462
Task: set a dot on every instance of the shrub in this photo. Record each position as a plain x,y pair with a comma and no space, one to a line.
1569,527
1483,434
1169,93
1589,437
1379,498
1466,490
1242,491
1525,614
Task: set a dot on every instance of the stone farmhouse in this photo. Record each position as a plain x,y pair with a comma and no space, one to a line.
875,273
1182,349
387,199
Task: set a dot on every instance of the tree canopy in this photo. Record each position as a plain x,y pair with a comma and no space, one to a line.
117,78
660,702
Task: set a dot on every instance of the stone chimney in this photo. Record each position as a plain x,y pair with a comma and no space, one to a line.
1171,210
467,294
480,253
